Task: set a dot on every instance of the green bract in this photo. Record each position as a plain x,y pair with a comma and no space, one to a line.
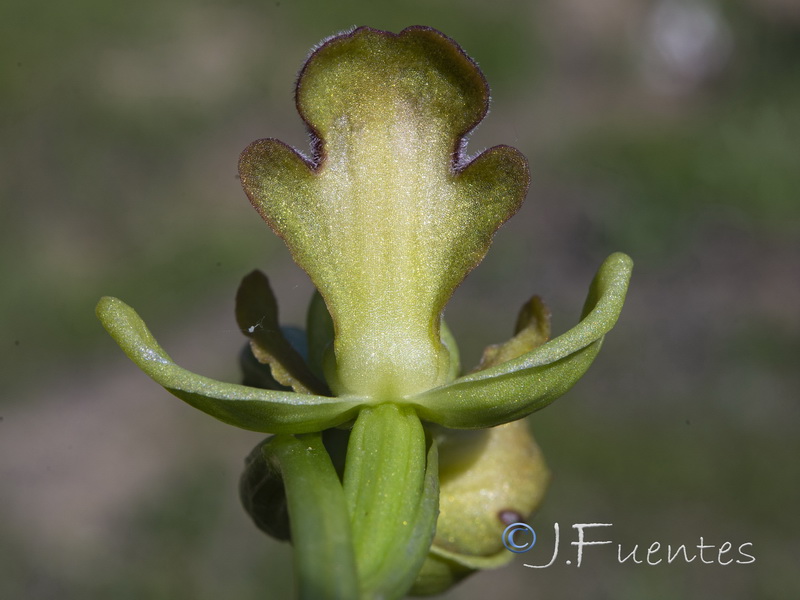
387,216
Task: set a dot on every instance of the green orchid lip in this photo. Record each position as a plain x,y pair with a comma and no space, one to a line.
389,214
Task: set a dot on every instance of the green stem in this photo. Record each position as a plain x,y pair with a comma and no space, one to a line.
391,490
323,547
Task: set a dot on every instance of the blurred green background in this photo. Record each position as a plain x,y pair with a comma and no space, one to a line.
666,129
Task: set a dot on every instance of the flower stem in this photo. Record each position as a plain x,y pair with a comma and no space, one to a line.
392,493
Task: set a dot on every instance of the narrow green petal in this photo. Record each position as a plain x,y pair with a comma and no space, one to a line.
449,342
246,407
388,217
518,387
532,330
257,316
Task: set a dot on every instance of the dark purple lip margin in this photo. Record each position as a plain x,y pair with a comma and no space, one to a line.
458,159
316,142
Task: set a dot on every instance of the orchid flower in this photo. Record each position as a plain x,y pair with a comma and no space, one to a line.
387,214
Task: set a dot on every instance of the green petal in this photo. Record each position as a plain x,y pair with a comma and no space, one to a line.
257,316
449,342
388,217
518,387
532,330
246,407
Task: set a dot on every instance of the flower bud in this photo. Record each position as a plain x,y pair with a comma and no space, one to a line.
488,479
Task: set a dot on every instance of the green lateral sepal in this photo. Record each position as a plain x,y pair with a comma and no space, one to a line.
250,408
518,387
320,525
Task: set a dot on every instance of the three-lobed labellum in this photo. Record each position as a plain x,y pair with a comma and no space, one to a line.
388,216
